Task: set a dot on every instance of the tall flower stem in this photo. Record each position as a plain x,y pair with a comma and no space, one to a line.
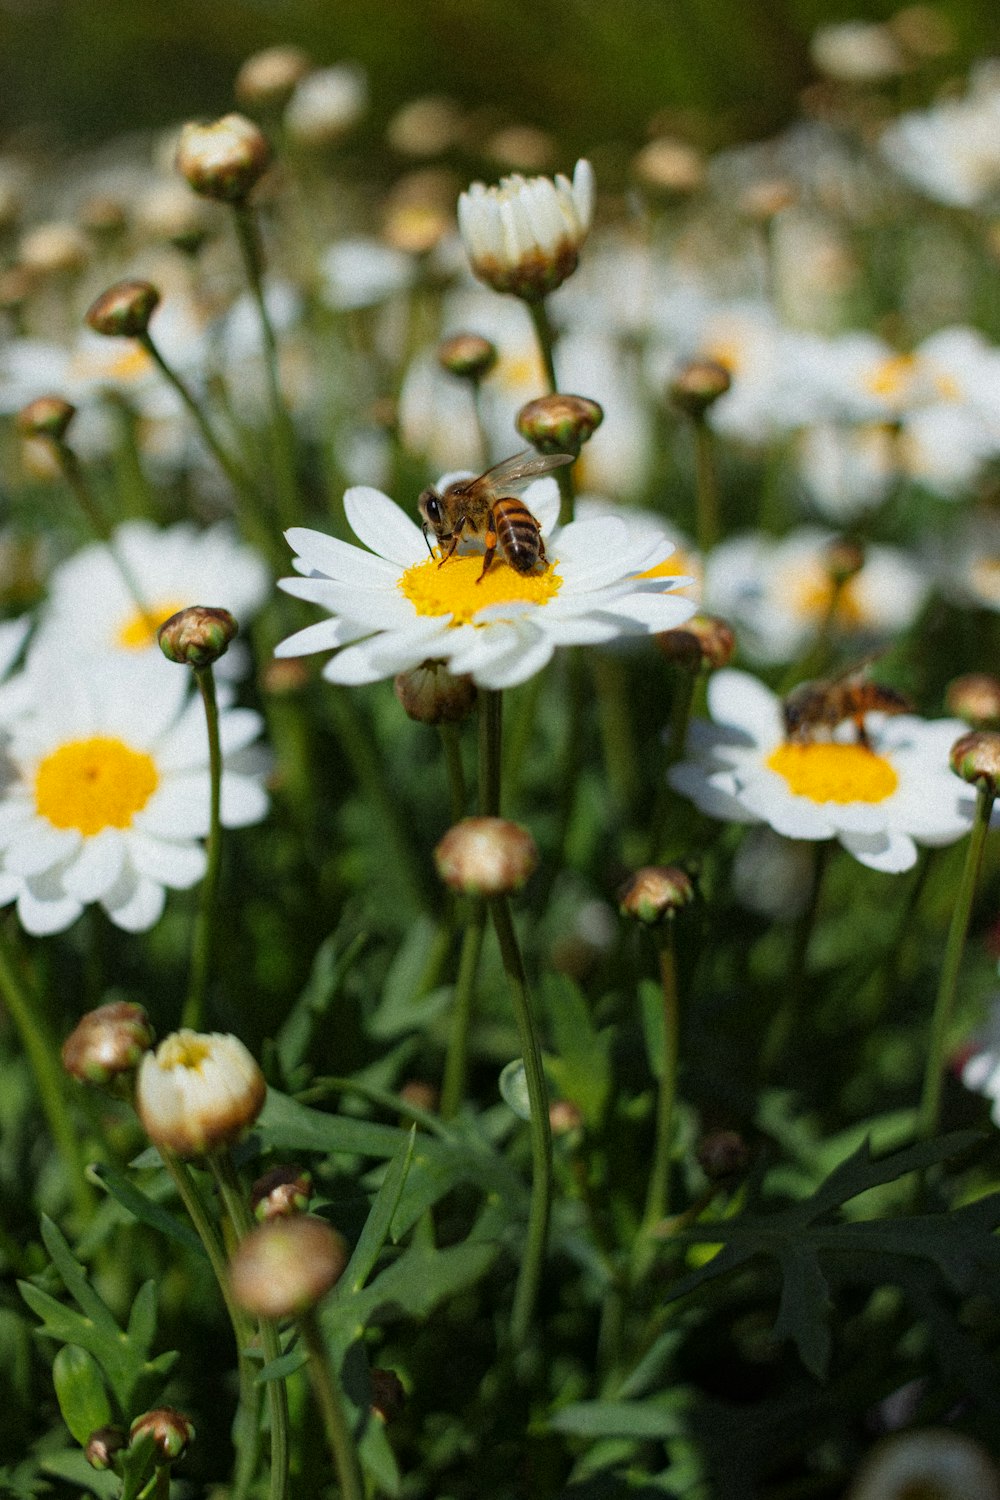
545,335
43,1058
336,1428
451,741
529,1275
490,748
245,1427
233,1197
658,1190
284,433
204,942
72,472
944,1005
456,1059
706,486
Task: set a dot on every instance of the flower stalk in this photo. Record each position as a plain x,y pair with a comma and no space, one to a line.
205,934
336,1428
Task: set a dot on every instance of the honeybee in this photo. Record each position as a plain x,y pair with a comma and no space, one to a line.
827,702
486,507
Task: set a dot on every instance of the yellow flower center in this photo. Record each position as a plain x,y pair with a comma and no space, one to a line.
184,1049
826,772
891,379
94,784
814,595
139,630
454,587
674,566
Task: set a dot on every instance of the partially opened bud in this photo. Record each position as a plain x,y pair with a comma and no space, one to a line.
655,893
284,1267
698,386
198,1092
107,1043
170,1430
430,694
224,159
467,355
525,235
47,416
197,636
281,1192
976,758
325,105
559,424
267,79
124,309
975,698
102,1445
486,857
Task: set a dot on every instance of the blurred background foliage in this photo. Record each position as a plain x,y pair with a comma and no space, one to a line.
586,70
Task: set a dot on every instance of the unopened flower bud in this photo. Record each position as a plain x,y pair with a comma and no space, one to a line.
843,558
54,249
722,1154
170,1429
16,287
420,1094
525,236
976,758
267,79
197,636
198,1091
388,1395
467,355
565,1117
124,310
284,1267
104,216
698,386
281,1192
975,698
102,1445
486,857
655,893
107,1043
282,677
669,169
224,159
704,641
47,416
937,1463
430,694
325,105
559,424
170,211
427,126
521,148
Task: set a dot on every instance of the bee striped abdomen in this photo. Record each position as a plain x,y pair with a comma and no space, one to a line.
518,534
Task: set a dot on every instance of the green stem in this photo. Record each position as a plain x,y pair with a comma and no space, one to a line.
658,1191
451,740
685,685
238,1210
245,1426
707,487
456,1060
783,1024
529,1275
621,760
42,1053
193,1014
567,493
545,335
339,1438
490,751
72,471
284,432
944,1005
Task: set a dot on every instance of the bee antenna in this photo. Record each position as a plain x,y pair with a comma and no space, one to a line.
425,528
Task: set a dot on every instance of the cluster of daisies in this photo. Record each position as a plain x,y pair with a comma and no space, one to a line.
104,777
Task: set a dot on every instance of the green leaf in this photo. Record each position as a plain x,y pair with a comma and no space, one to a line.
71,1465
81,1392
580,1065
379,1222
803,1309
333,962
405,1005
74,1278
639,1420
145,1209
142,1318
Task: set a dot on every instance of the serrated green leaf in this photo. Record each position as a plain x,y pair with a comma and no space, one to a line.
60,1322
580,1065
74,1278
804,1308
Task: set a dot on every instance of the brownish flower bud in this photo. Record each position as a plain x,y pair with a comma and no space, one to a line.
844,558
698,386
104,216
976,758
427,126
655,893
224,159
668,168
522,148
124,310
281,1192
267,78
388,1395
16,287
171,212
922,31
54,249
170,1430
198,1092
559,424
107,1043
430,694
284,1267
47,416
102,1446
975,698
486,857
197,636
703,641
467,355
284,676
565,1117
722,1154
420,1094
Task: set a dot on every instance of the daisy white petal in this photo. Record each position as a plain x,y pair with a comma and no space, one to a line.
379,523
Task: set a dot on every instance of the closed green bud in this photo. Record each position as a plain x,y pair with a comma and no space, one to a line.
197,636
124,310
81,1392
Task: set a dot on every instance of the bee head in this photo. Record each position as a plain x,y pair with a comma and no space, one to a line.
799,709
431,510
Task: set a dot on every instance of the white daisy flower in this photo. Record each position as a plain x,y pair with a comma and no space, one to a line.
394,607
951,152
105,793
91,610
778,595
362,272
879,800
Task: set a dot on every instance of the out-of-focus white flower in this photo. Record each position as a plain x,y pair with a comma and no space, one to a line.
939,1463
91,610
857,52
362,272
198,1091
966,562
878,800
847,470
778,594
951,152
326,104
105,796
394,607
772,875
525,235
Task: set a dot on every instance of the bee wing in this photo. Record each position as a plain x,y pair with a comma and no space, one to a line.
512,474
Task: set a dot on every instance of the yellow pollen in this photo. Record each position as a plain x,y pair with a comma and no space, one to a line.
185,1049
826,772
812,596
452,589
94,784
892,377
139,630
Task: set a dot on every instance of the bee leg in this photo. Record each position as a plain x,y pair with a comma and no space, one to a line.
455,538
491,547
541,552
859,724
